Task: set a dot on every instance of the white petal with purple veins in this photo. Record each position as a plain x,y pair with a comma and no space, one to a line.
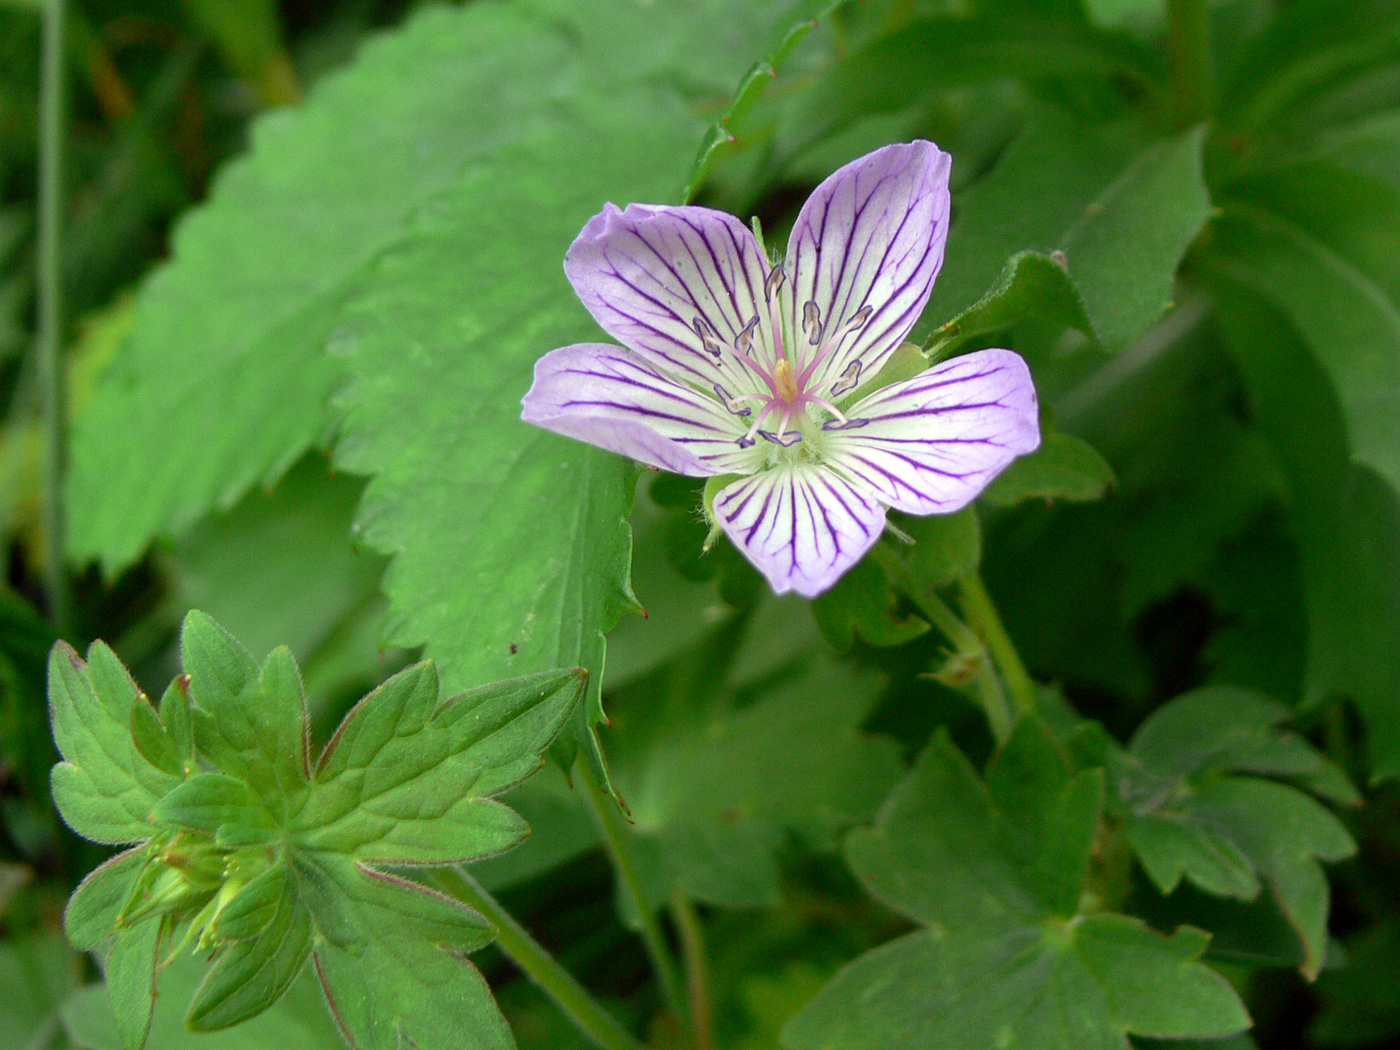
871,236
659,279
930,444
802,526
611,397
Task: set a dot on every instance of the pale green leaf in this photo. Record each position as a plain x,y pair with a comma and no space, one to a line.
1063,468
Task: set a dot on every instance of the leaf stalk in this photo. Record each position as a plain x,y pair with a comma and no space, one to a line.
571,997
630,880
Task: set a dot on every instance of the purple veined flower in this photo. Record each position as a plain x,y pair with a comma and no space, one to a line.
730,365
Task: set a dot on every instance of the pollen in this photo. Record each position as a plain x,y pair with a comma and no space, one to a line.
786,380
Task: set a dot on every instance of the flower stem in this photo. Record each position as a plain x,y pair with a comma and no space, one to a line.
1193,74
980,609
965,640
697,971
571,997
620,854
50,295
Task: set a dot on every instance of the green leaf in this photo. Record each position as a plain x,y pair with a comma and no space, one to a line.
1063,468
1122,218
510,544
217,803
1031,287
714,787
251,724
730,125
946,546
938,53
994,871
1347,518
105,788
249,34
405,781
298,1020
864,602
1189,813
1319,241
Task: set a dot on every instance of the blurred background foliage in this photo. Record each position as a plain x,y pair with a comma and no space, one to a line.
1248,533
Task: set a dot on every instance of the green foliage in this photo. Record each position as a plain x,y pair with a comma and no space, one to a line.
37,972
1197,805
1122,216
713,787
272,860
1014,948
1063,468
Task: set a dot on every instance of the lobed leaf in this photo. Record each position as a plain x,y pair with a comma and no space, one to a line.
995,871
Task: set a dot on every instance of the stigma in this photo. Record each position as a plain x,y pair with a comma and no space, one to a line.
785,379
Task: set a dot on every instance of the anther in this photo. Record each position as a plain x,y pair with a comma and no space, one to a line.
812,322
787,440
744,340
844,424
708,336
731,403
746,442
848,380
859,318
773,282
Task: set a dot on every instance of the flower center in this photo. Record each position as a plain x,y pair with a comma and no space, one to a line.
785,379
790,395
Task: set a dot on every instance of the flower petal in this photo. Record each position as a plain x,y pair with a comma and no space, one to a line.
930,444
802,526
646,274
610,397
871,235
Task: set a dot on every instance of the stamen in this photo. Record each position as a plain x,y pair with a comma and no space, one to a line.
848,380
787,440
747,440
822,402
856,320
812,322
708,337
732,403
844,424
773,282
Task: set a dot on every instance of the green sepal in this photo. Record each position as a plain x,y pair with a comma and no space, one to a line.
271,933
713,487
131,979
95,907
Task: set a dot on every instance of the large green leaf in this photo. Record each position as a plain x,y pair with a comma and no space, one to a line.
995,874
511,549
1320,241
1347,516
1122,217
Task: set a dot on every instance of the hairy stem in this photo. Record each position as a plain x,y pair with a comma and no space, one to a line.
697,971
982,612
1188,46
50,295
542,968
965,640
620,854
